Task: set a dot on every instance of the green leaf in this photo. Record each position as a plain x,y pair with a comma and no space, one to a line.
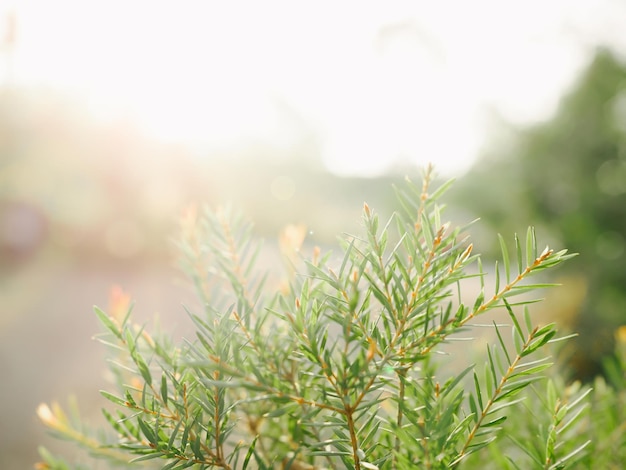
505,258
512,462
493,379
512,389
531,246
532,347
129,398
460,427
527,320
441,189
172,439
576,451
488,374
497,274
527,450
563,338
114,423
164,389
518,247
147,431
505,404
112,398
502,344
427,231
519,343
532,370
173,464
143,367
185,437
476,413
479,395
481,274
495,422
545,329
108,322
150,456
571,420
448,387
479,301
516,325
246,460
195,445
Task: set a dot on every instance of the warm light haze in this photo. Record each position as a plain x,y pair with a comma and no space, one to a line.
376,84
121,120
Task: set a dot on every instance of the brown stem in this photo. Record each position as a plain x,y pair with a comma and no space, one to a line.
401,373
496,393
353,439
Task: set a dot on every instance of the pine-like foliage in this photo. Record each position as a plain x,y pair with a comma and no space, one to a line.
337,369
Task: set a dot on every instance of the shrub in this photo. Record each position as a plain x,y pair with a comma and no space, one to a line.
339,368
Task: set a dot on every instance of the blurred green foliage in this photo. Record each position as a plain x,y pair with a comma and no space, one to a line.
568,176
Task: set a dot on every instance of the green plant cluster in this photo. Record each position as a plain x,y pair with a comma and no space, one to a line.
339,368
584,208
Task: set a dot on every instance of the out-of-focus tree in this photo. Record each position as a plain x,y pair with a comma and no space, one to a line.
568,175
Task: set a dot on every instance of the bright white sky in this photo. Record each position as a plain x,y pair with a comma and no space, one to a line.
378,82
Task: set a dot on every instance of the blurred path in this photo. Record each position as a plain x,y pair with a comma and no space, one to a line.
46,348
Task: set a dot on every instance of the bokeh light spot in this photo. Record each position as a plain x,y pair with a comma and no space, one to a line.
610,245
611,177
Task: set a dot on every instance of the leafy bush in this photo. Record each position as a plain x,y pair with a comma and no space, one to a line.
339,367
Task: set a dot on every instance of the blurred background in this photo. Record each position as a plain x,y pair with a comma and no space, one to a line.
117,116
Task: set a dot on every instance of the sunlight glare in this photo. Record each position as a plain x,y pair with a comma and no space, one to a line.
378,85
